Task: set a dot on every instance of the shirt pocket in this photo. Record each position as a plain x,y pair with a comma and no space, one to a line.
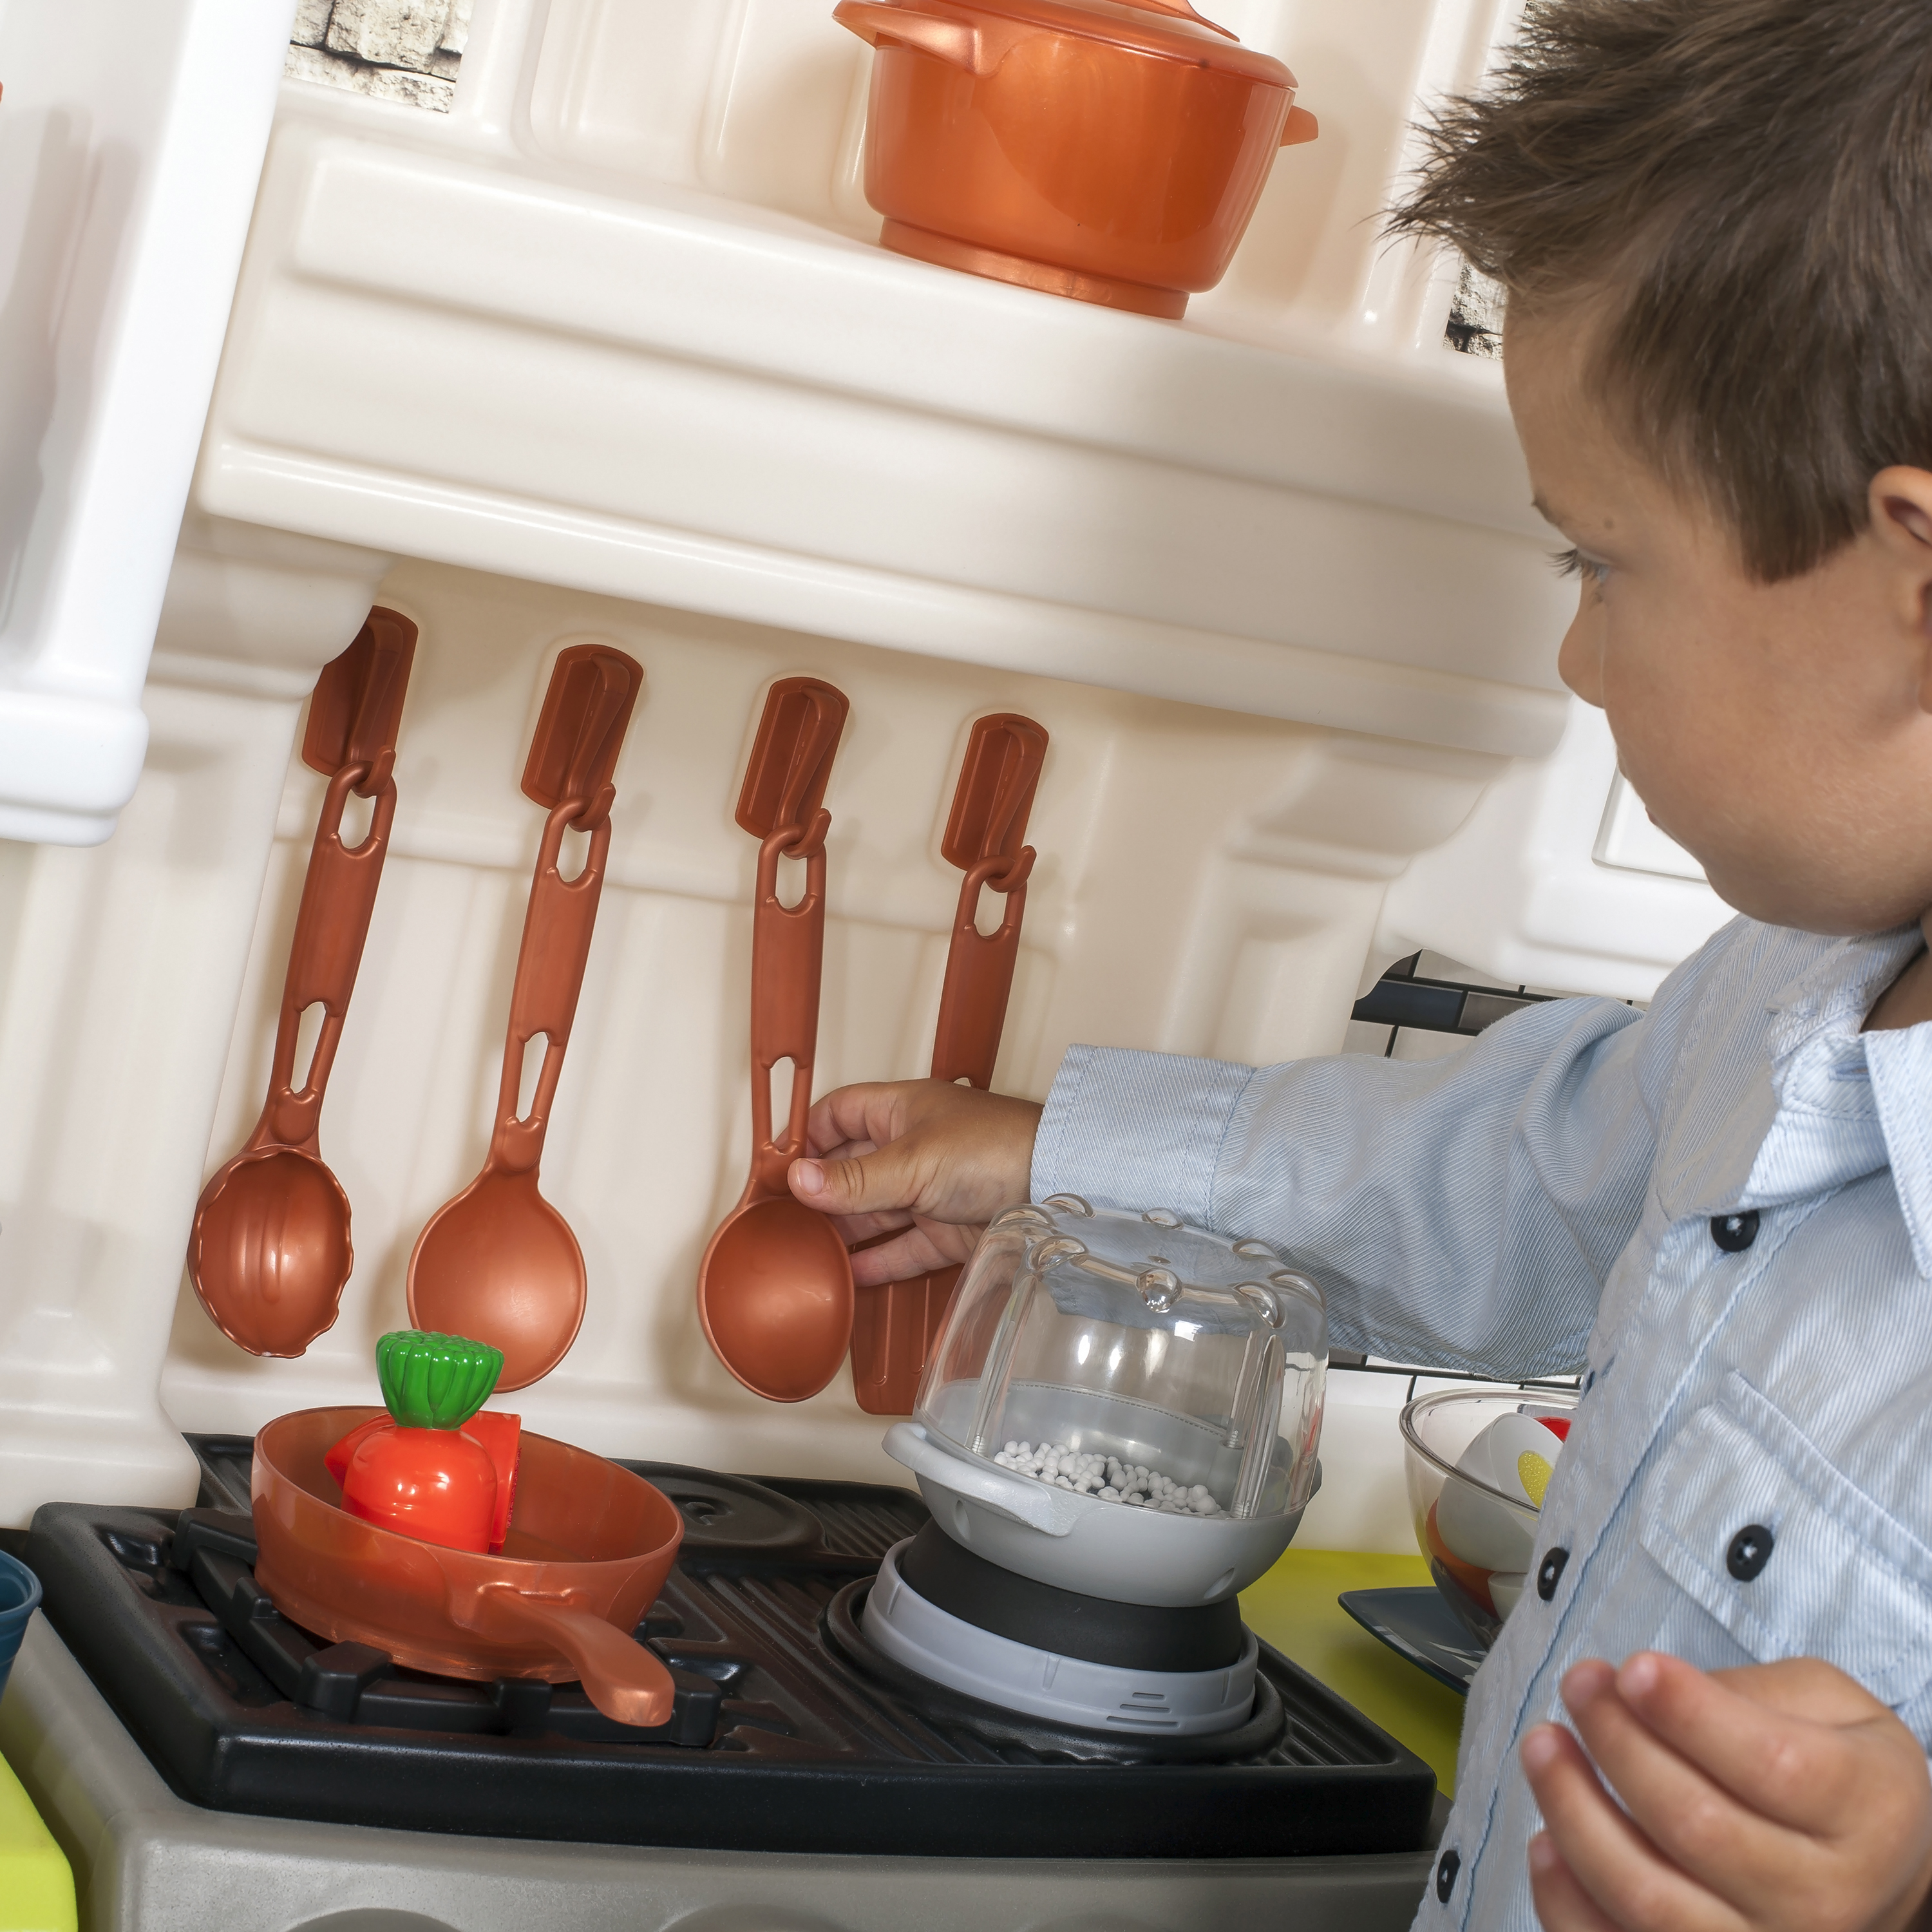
1845,1580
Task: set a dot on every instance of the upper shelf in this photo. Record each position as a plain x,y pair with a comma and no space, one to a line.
614,322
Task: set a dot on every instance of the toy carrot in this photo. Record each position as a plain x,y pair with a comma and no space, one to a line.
425,1475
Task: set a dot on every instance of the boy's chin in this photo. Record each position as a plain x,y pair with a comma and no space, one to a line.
1819,906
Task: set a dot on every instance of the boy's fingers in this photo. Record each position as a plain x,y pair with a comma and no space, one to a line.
854,1229
886,1179
912,1254
1617,1867
837,1150
1785,1766
1561,1904
1696,1824
868,1111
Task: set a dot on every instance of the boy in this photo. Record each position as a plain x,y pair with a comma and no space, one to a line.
1714,218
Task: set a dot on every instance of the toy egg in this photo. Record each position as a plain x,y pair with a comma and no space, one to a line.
1479,1463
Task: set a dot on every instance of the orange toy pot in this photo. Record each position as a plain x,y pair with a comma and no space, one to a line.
1111,152
589,1547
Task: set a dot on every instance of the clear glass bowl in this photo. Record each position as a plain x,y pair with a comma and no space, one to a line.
1477,1525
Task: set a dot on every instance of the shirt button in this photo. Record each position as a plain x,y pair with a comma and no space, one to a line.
1750,1552
1450,1864
1549,1573
1734,1233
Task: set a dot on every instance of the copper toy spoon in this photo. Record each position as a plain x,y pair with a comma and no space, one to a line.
269,1252
775,1289
499,1262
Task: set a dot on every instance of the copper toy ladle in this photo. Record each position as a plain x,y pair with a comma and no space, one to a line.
774,1288
499,1262
895,1325
269,1252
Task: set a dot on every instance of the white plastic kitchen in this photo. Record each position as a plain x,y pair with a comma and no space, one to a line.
564,326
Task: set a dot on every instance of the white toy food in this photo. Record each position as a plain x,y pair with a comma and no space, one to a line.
1516,1455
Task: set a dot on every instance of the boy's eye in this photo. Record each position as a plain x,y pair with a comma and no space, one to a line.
1575,563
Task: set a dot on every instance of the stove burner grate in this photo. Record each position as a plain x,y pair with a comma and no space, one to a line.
782,1739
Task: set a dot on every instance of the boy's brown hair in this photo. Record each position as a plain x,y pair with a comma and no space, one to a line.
1748,184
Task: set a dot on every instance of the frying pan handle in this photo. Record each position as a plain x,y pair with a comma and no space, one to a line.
624,1678
557,930
980,974
338,896
787,959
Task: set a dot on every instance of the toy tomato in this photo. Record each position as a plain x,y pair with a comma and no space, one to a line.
425,1477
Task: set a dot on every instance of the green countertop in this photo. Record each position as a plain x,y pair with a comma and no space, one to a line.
36,1885
1294,1608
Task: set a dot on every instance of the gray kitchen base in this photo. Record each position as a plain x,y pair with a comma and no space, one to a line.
146,1861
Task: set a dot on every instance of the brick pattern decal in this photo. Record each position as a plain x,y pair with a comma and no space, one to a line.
403,50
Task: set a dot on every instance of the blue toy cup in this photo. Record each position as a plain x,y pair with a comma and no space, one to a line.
19,1598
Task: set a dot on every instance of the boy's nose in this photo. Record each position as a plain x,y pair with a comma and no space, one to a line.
1580,663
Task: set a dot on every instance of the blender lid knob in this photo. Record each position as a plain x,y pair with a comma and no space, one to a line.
1160,1288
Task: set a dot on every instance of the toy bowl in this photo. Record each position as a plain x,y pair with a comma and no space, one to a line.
1476,1462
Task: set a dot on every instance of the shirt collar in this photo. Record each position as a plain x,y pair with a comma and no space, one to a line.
1849,1101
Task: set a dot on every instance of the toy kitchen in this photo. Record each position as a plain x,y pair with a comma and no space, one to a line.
579,573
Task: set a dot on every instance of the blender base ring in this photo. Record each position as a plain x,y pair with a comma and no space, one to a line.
1252,1741
1065,1623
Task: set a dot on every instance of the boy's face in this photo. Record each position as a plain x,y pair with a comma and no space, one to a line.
1779,732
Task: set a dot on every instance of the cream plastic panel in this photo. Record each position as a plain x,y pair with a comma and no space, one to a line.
1559,880
763,101
1208,882
129,151
606,350
612,323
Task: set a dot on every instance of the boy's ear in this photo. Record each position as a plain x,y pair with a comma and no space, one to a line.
1901,521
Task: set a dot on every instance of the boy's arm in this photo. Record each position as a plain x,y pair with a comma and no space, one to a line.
1460,1211
1463,1211
1780,1795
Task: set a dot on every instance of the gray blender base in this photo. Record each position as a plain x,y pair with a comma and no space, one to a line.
145,1861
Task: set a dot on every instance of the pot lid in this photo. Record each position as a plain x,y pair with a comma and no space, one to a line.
1170,29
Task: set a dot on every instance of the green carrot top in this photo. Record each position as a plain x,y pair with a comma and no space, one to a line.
435,1381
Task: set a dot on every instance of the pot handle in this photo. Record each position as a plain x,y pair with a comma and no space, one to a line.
626,1681
958,43
1302,126
1053,1512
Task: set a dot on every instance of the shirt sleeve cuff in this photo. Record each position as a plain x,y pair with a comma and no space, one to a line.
1137,1130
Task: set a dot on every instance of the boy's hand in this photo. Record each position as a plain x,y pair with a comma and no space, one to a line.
1779,1794
935,1163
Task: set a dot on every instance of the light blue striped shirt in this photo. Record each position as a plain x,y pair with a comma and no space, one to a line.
1544,1202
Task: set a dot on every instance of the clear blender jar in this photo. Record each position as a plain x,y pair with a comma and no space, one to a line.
1121,1405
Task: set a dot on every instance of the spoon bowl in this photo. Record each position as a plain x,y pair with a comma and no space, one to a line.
270,1249
500,1261
775,1295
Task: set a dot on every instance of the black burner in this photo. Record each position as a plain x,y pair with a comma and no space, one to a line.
788,1734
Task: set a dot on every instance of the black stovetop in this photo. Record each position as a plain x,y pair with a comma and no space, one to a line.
787,1734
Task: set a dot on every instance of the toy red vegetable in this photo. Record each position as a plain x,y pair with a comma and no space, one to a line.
502,1435
425,1476
499,1431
